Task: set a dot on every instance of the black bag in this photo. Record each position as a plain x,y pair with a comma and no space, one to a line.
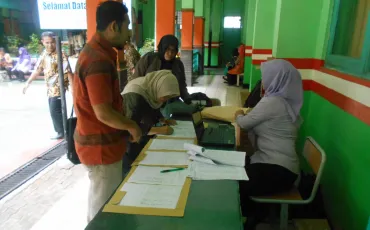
200,99
254,97
71,149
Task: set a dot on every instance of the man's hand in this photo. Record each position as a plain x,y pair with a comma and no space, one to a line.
135,133
238,113
25,87
171,122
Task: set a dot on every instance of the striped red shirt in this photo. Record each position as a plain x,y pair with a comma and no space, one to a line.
96,82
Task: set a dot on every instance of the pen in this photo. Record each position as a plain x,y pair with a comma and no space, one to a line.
171,170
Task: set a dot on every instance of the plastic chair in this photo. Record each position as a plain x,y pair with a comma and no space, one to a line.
316,158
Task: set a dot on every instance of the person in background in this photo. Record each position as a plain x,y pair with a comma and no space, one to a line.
48,64
142,99
238,68
23,65
165,58
231,63
132,57
272,126
102,130
6,62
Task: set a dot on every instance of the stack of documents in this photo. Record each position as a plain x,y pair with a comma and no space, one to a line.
165,158
169,144
149,187
183,129
215,164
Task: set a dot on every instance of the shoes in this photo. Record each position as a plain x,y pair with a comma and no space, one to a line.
59,136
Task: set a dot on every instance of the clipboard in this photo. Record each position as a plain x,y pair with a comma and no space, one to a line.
114,207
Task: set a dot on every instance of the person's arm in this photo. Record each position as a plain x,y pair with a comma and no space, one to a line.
184,94
100,90
262,112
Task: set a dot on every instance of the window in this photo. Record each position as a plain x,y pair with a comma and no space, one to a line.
232,22
349,41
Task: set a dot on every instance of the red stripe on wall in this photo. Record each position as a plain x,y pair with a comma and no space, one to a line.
317,64
361,111
306,63
248,47
257,62
262,51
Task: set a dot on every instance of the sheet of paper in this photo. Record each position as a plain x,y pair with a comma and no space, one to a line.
194,148
151,196
165,158
169,144
233,158
153,175
184,129
202,159
201,171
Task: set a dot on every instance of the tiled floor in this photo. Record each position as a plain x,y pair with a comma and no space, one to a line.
57,198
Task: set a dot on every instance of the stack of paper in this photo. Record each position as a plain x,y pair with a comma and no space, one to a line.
153,175
183,129
169,144
151,196
215,157
165,158
215,164
201,171
148,187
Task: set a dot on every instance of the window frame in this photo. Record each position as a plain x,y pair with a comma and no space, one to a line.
357,66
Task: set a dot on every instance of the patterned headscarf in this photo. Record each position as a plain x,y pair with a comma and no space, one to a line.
153,86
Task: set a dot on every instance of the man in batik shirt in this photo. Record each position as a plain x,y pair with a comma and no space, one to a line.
48,64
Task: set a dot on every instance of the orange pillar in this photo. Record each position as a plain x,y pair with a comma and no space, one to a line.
199,32
187,29
199,40
91,6
164,19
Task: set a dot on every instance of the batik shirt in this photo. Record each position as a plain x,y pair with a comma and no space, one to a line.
48,64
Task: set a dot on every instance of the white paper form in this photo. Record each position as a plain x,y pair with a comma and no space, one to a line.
169,144
201,171
165,158
184,129
151,196
153,175
233,158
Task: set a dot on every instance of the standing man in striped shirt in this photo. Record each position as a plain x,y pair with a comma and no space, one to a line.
102,129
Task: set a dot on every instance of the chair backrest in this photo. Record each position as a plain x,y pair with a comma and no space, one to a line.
316,158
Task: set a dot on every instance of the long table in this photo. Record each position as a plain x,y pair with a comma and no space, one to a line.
211,205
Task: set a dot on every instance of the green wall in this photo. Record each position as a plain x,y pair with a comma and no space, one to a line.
21,5
301,40
231,37
346,181
199,8
149,19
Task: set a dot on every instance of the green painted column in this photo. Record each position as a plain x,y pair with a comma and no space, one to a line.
149,20
207,27
216,20
312,33
250,12
263,37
